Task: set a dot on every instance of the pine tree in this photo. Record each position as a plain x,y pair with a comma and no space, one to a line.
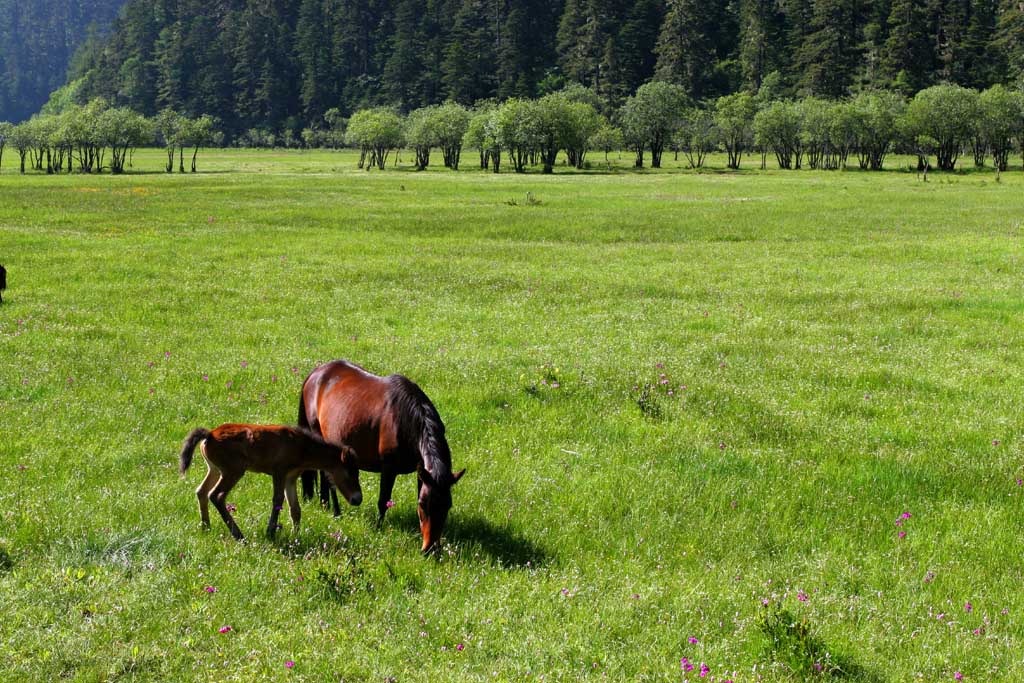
686,54
633,60
1009,38
828,58
313,58
468,67
908,60
583,39
761,37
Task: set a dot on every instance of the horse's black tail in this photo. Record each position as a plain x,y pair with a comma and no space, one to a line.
189,447
308,476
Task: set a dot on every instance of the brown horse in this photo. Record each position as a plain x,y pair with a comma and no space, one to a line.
393,428
231,450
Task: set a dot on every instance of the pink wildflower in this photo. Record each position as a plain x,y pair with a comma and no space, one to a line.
968,607
210,589
289,664
704,670
692,640
684,663
224,629
390,504
801,596
460,647
958,676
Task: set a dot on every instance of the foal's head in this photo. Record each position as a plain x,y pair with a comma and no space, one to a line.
434,503
346,476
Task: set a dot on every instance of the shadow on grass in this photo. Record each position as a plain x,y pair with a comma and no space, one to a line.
470,534
505,546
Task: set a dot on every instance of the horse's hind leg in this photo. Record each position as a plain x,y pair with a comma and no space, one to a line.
219,498
293,502
203,493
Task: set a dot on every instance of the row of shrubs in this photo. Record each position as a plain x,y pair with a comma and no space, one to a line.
942,122
95,136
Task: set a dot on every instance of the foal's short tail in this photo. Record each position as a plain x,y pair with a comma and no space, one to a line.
189,447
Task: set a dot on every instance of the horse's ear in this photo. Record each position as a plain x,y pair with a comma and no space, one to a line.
457,476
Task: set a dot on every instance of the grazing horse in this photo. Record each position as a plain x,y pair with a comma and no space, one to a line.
393,428
3,282
231,450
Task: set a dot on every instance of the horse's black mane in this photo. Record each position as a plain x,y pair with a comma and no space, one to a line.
420,425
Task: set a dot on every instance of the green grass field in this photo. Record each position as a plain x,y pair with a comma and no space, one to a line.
837,349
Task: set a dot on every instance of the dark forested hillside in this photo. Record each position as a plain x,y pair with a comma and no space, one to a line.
282,64
37,40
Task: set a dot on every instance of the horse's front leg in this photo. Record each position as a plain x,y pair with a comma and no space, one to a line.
293,502
329,495
387,484
278,503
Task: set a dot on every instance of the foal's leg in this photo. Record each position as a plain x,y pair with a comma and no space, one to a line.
219,498
278,503
293,502
203,493
387,484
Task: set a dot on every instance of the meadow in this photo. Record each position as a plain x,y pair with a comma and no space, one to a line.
768,422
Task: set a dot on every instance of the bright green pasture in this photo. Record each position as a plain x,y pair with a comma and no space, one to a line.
840,348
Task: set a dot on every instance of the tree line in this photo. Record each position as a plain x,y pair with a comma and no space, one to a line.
95,136
940,123
279,67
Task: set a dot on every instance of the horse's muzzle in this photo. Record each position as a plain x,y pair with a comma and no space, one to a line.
356,499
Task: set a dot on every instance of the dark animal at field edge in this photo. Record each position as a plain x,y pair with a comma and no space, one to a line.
393,428
284,453
3,282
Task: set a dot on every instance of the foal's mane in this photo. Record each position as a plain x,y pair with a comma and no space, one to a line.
420,427
314,437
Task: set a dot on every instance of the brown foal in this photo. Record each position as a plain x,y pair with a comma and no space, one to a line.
231,450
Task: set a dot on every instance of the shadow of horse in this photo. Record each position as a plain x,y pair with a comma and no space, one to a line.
506,546
471,534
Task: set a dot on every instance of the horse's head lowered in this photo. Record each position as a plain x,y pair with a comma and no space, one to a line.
433,506
346,476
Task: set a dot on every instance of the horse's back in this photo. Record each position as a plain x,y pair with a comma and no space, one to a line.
349,405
